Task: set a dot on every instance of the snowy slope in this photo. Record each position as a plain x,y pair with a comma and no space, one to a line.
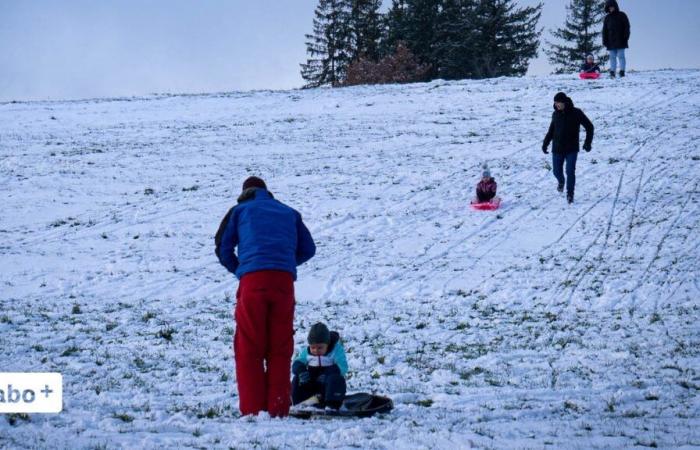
542,325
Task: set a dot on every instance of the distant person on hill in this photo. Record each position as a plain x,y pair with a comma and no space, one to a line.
486,188
590,65
271,241
564,133
616,35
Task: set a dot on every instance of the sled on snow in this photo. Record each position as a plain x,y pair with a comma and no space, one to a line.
490,205
589,75
354,405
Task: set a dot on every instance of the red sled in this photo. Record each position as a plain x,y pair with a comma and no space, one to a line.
491,205
589,75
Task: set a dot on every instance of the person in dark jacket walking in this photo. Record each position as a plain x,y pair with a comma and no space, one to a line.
272,241
616,35
564,133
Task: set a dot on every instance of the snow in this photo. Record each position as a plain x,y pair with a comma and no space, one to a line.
537,325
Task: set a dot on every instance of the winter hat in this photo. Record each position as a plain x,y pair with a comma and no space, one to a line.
486,173
256,182
319,334
560,97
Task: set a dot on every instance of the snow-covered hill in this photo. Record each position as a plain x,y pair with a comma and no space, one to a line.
542,325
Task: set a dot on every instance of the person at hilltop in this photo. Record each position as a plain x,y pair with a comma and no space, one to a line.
272,241
616,35
564,133
320,368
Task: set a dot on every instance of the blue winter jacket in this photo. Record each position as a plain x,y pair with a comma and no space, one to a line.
269,235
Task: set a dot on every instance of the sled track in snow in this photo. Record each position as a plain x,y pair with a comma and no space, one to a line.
659,246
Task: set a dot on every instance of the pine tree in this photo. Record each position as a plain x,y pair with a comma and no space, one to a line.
330,46
365,29
394,27
581,36
507,38
454,49
421,18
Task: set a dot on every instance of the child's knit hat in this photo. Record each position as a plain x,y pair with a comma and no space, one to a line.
319,334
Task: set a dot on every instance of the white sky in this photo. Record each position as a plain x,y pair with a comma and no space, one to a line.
53,49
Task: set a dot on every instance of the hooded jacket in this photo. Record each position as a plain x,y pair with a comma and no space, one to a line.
486,190
616,28
269,235
334,357
565,127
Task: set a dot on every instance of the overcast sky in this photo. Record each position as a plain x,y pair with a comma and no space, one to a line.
53,49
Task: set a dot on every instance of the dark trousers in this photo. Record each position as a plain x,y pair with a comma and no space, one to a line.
332,389
484,196
558,161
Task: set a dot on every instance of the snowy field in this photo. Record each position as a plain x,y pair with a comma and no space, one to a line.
541,325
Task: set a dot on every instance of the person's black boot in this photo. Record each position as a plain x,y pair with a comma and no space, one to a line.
560,187
622,73
570,197
612,74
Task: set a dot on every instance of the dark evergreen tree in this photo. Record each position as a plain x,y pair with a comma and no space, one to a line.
507,37
450,39
394,27
454,48
580,36
365,28
421,19
329,46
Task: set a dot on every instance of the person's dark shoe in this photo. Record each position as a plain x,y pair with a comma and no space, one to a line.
570,197
622,73
612,74
560,187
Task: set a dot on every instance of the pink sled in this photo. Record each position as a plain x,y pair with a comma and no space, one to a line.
491,205
589,75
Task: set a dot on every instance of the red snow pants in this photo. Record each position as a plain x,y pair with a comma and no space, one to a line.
264,341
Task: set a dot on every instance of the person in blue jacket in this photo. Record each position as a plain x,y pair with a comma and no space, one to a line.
320,368
272,241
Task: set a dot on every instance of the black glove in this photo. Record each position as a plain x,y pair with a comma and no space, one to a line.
298,367
321,378
304,377
544,149
587,147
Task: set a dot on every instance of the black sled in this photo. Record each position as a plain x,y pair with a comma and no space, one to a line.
354,405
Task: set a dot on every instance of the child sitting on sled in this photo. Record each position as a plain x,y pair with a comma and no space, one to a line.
590,66
319,369
486,188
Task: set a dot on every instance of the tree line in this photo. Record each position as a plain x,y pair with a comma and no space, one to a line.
354,42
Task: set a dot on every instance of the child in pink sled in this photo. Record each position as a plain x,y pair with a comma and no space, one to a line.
486,188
